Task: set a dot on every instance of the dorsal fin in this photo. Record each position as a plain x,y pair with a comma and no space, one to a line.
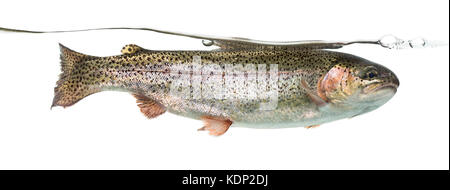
149,107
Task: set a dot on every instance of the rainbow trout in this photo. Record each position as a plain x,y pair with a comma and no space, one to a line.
248,87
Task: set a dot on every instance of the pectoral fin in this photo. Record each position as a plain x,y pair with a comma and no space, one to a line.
312,95
149,107
215,125
312,126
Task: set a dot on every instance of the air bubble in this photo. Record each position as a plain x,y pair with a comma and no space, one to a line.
417,43
391,42
207,42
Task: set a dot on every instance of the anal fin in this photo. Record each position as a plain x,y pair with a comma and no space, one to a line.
215,125
149,107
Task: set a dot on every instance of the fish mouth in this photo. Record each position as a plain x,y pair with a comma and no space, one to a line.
380,86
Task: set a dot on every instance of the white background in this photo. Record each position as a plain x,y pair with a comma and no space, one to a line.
107,131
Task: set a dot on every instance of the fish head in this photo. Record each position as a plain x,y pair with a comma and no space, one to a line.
358,84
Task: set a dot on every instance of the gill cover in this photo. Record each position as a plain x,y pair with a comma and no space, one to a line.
336,84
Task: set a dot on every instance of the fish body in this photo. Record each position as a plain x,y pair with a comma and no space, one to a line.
258,88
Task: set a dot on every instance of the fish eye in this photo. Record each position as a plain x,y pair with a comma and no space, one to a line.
369,73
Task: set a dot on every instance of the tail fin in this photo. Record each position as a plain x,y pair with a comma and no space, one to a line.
72,85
